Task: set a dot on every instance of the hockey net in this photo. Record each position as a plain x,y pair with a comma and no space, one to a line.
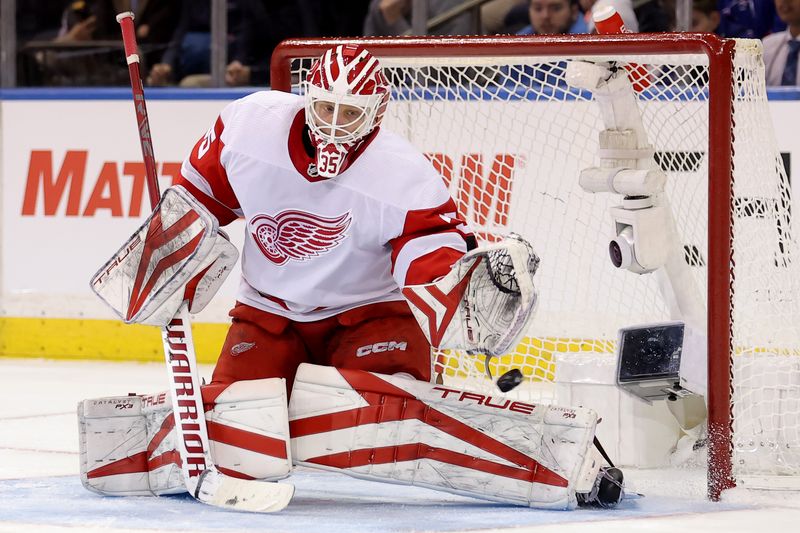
509,136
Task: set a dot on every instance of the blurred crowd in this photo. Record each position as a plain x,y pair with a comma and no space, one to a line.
76,42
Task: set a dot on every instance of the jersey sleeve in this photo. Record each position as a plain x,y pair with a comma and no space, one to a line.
203,174
432,240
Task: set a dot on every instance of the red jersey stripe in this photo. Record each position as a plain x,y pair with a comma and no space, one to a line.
205,158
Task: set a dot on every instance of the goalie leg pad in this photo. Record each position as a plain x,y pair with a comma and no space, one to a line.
389,345
128,448
113,446
391,429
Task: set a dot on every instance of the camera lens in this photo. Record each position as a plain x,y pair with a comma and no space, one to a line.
615,253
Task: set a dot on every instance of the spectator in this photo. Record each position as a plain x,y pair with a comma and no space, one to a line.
705,16
187,59
265,23
39,19
705,19
651,15
86,20
255,27
155,19
78,24
550,17
494,15
623,7
78,52
751,19
781,49
517,17
393,17
189,48
326,18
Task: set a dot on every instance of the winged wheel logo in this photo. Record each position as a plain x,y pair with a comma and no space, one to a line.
297,235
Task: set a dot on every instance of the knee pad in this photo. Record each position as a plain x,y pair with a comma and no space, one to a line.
253,352
388,345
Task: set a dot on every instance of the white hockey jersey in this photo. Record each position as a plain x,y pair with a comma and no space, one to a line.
315,247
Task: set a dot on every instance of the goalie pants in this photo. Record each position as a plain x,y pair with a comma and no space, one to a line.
382,337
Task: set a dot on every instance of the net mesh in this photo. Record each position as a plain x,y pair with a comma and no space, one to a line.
509,137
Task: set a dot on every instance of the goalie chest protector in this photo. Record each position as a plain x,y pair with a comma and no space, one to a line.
315,247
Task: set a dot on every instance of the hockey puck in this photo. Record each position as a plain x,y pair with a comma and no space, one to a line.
509,380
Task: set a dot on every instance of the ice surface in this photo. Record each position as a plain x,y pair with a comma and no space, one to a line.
40,489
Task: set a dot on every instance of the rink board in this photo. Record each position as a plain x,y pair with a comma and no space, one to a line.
72,190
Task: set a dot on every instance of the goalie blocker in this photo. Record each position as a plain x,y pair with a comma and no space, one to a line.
367,425
190,260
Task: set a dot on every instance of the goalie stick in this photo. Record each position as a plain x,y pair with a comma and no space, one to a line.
203,480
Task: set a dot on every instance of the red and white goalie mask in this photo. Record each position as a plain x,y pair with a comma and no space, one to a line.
346,95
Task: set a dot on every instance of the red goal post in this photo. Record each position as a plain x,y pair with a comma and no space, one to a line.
716,86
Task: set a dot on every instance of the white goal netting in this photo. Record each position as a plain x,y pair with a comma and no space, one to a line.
510,137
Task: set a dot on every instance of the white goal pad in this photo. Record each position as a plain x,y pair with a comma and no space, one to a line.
127,443
393,429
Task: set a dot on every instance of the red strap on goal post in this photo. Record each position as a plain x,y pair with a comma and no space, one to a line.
132,57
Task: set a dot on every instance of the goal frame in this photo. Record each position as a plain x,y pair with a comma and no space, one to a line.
720,53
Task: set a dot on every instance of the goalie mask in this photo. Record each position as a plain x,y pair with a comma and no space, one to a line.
345,98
